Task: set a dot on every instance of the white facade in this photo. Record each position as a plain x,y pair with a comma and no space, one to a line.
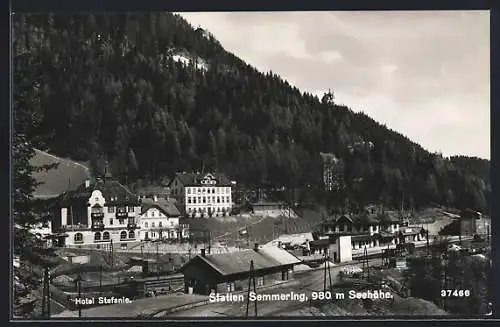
155,224
204,198
105,224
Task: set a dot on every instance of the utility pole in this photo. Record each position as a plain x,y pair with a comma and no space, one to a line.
78,282
157,262
251,279
427,237
46,294
327,267
366,267
111,250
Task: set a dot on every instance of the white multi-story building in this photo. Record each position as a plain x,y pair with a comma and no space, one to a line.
160,219
203,195
104,212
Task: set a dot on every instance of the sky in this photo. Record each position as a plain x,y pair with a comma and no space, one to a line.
423,74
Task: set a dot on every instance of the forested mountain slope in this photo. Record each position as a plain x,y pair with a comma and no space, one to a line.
118,87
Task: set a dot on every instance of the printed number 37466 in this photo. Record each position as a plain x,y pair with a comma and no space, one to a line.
455,293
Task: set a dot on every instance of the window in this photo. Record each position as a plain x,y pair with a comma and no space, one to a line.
78,238
194,200
341,227
227,199
111,209
105,236
218,199
131,234
189,190
96,199
152,213
160,224
146,224
189,199
223,200
111,221
97,236
123,235
204,200
260,281
130,209
153,224
213,199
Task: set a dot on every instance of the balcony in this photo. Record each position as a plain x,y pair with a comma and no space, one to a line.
132,225
97,226
121,214
97,214
72,228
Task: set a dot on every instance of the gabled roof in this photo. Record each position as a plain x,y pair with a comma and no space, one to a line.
168,208
279,255
194,179
239,262
113,192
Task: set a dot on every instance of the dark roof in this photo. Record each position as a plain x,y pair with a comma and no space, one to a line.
239,262
410,232
114,193
194,179
165,206
264,204
470,214
318,243
368,218
362,237
152,190
385,234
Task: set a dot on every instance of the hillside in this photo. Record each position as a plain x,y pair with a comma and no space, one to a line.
152,95
67,175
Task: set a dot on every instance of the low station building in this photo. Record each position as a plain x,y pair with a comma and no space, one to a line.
371,228
230,272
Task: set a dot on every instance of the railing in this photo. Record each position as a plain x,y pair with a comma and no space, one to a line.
72,228
121,214
97,227
132,226
98,214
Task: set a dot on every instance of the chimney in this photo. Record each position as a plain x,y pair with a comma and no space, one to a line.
87,183
202,252
256,247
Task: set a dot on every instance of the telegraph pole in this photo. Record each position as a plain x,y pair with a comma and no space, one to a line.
78,282
327,267
250,280
111,249
157,262
46,294
366,266
427,240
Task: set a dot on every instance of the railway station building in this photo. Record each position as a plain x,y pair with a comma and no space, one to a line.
230,272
